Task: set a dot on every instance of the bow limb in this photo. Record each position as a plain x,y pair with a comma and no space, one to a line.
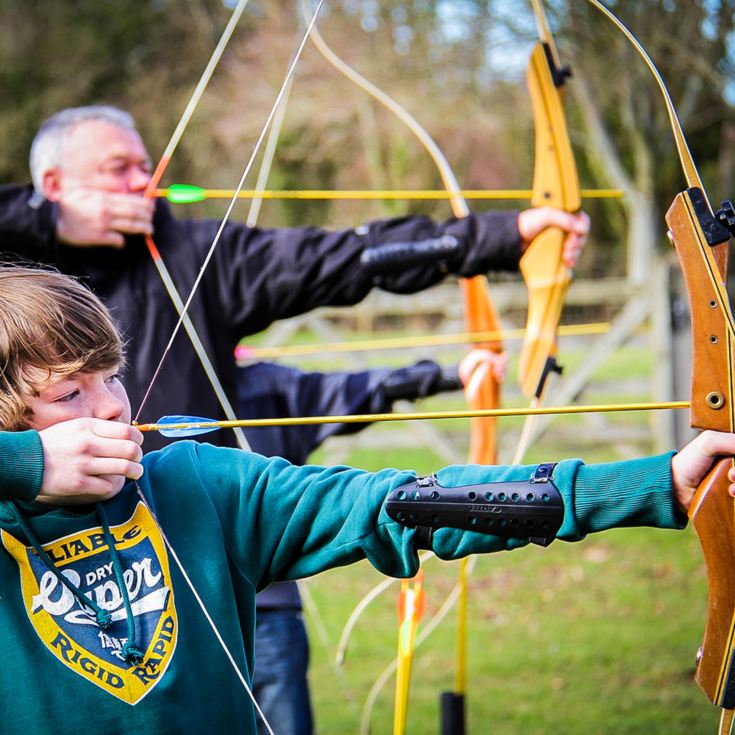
480,314
161,268
411,604
555,184
700,238
183,317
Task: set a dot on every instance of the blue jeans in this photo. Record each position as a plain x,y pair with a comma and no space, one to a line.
279,682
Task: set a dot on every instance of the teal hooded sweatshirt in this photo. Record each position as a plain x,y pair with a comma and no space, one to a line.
236,522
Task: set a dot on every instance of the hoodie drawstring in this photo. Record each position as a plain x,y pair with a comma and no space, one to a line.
131,652
103,618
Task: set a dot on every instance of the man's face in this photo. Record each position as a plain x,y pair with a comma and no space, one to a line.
99,155
58,398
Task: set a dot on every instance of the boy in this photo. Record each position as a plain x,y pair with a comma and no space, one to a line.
132,609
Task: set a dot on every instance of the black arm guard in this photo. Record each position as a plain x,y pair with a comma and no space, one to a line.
386,257
531,509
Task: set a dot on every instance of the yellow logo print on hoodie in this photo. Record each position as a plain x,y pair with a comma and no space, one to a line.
70,630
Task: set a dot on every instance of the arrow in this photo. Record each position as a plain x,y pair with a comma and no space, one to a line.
245,352
177,427
191,194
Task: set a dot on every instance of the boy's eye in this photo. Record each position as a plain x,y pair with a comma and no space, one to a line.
113,378
67,397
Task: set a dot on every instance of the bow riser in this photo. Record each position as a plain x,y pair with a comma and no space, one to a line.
713,330
712,511
555,184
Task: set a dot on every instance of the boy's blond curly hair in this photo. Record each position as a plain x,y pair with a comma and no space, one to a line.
50,322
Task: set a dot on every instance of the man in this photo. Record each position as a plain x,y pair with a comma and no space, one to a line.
90,168
102,631
86,216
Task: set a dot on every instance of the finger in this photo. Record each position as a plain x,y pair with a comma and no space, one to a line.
131,214
116,430
472,360
131,206
111,238
89,489
117,449
500,367
717,443
131,225
577,223
114,467
572,250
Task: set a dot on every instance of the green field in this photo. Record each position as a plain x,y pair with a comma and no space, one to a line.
595,637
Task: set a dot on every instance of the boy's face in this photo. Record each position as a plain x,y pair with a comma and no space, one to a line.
97,395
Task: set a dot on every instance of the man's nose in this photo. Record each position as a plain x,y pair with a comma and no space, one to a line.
138,178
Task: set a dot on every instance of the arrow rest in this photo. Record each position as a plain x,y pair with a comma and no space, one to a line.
725,215
559,74
550,366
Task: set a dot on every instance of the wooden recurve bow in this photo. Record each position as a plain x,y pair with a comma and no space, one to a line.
555,184
700,237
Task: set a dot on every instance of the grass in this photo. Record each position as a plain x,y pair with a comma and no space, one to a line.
587,638
596,637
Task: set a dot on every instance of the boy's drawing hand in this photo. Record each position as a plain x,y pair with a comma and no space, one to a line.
87,460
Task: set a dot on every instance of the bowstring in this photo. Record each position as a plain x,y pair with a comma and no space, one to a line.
159,172
233,202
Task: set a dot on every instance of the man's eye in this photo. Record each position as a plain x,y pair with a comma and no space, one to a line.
116,169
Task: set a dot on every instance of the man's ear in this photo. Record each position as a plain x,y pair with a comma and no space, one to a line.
52,184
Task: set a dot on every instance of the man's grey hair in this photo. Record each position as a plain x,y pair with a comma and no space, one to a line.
46,147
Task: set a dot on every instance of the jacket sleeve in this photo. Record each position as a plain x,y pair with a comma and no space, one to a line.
286,522
27,226
21,465
261,275
266,389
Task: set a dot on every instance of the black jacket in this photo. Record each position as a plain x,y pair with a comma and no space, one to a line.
265,390
256,276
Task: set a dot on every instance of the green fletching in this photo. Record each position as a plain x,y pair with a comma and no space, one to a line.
185,193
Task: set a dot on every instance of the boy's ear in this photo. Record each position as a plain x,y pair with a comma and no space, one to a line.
52,184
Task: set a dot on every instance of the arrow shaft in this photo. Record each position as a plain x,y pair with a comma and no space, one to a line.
379,194
420,416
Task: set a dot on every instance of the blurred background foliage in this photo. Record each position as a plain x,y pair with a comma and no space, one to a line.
617,617
458,65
